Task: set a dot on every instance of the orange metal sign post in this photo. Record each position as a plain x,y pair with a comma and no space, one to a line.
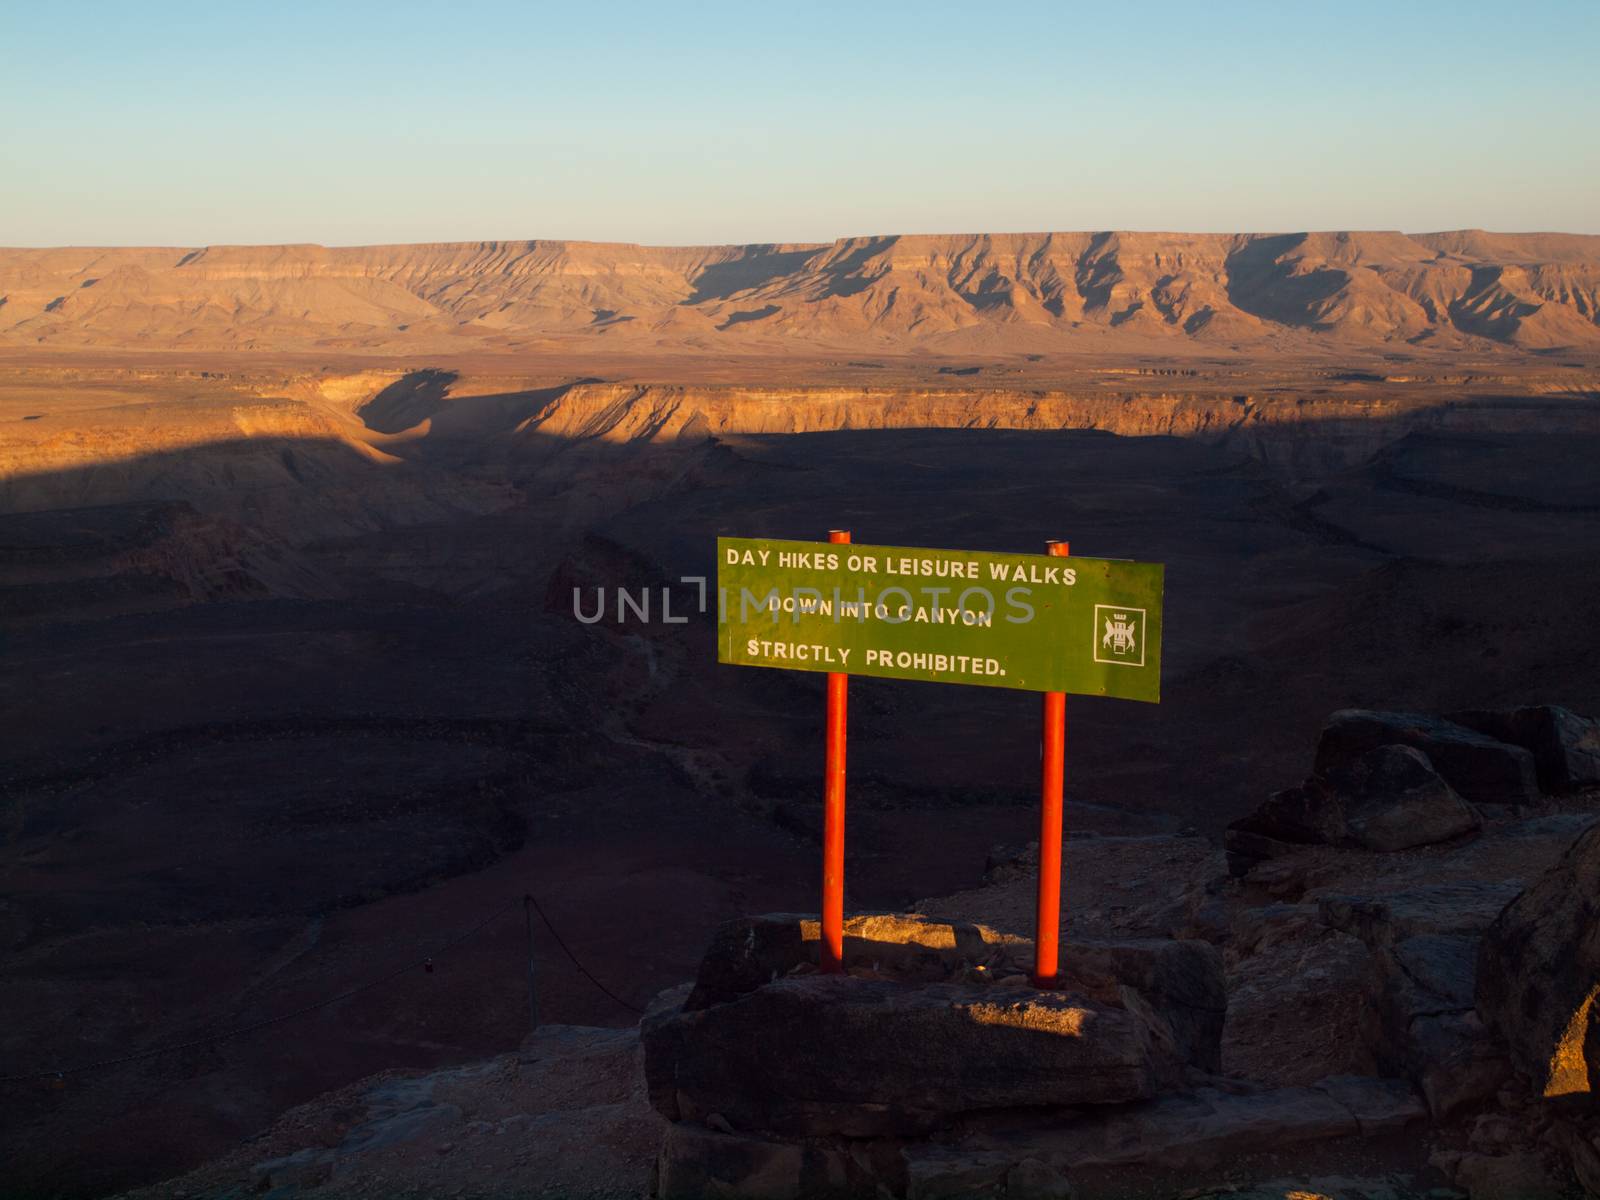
1091,627
1052,769
832,943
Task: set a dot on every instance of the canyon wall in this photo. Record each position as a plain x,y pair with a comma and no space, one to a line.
996,292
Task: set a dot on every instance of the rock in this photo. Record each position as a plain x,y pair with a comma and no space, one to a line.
1308,814
1550,834
1391,798
1523,1175
938,1173
697,1164
1386,798
1032,1179
1296,992
1379,1105
1246,848
1494,1131
1539,974
1581,1154
1480,768
957,1174
831,1054
1207,918
1182,979
1197,1128
1421,1021
1135,1149
1162,1146
748,952
569,1112
307,1168
1454,1062
1565,746
1007,862
1434,972
1467,906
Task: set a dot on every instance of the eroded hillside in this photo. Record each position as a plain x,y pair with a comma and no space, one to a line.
957,293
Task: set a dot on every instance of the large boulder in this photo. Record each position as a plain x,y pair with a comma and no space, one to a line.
1565,746
1481,768
1391,798
935,1019
832,1054
1182,979
1538,974
1386,798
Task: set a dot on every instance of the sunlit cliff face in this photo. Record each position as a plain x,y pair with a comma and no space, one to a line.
1569,1067
1463,290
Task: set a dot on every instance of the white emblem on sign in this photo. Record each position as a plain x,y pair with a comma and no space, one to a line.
1119,635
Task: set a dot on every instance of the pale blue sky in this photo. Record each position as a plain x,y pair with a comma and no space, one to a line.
187,124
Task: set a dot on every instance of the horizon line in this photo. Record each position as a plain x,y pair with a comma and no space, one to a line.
779,244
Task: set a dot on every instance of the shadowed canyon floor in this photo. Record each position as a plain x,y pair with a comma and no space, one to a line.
295,691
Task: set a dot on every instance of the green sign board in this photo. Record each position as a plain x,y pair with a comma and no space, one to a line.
1028,621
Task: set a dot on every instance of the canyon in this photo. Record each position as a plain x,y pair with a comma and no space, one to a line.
295,690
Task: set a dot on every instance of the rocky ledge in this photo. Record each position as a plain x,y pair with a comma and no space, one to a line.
932,1068
1385,987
